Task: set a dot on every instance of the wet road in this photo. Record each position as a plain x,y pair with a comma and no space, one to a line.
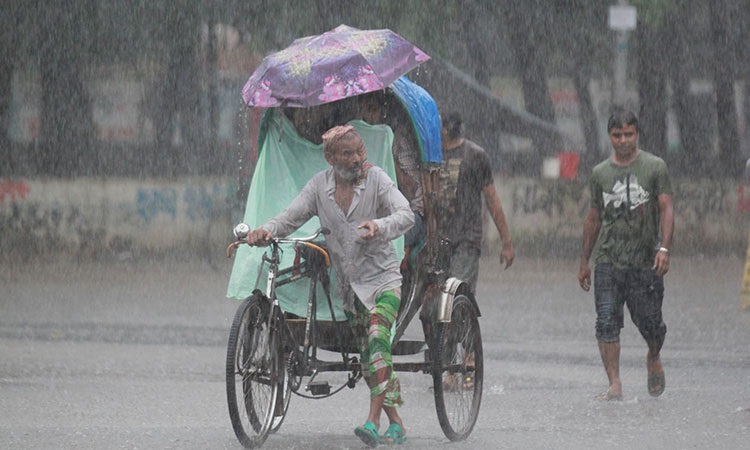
131,355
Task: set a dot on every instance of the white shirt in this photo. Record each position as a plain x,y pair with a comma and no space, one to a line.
364,268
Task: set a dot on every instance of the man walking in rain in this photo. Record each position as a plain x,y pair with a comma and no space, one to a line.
364,211
631,215
466,177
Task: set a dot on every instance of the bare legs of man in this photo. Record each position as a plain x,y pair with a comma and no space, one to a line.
610,353
656,380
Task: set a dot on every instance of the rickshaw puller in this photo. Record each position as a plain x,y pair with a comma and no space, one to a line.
364,211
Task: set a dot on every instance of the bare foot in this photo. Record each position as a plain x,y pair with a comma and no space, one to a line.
613,393
608,396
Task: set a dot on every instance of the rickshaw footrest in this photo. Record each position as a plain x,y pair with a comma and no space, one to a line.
319,388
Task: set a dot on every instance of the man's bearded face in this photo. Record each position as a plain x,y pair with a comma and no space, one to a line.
349,158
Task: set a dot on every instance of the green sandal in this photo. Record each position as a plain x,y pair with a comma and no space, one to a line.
394,435
368,433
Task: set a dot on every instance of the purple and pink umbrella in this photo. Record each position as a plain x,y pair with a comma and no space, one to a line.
340,63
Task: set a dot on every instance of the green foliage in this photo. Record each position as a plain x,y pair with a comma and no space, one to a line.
77,38
653,13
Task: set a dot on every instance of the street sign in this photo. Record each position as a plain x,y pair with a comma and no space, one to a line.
622,17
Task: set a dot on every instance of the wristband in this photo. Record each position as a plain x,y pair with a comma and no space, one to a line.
663,249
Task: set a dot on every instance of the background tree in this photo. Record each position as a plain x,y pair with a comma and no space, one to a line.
169,45
651,73
527,21
177,120
9,41
66,131
583,51
724,14
681,61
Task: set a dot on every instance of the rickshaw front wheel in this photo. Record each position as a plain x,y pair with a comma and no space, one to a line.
254,372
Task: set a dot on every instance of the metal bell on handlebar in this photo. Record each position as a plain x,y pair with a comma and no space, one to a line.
241,230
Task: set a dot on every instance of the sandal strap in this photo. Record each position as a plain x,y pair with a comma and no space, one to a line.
395,433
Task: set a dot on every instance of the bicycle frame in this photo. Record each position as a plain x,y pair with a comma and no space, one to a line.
305,351
455,350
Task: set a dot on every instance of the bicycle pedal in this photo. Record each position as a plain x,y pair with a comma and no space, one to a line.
319,388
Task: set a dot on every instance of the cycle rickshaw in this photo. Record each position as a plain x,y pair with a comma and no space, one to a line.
290,318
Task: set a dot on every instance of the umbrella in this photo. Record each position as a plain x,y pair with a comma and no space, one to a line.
340,63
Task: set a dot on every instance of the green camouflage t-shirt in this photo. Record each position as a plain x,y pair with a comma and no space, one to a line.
626,198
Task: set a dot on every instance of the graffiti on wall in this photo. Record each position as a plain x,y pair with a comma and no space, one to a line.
31,226
554,208
13,191
553,199
31,222
697,201
201,202
205,202
152,202
531,198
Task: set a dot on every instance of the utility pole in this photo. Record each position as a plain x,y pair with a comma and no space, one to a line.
622,19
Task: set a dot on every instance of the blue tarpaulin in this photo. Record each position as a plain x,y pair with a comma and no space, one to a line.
424,115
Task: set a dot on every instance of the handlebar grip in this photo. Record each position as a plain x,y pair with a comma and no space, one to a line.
231,247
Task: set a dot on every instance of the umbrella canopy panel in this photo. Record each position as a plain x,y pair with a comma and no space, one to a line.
340,63
418,104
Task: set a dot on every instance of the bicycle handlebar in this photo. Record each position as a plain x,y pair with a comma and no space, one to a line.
323,231
241,231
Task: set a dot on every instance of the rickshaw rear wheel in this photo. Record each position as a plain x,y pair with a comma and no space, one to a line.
458,370
254,372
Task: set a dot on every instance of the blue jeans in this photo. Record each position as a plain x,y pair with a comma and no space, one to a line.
641,290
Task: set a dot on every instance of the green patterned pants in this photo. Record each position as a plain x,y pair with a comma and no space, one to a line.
373,333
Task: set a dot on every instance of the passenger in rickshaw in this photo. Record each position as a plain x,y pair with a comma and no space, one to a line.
382,107
364,212
312,122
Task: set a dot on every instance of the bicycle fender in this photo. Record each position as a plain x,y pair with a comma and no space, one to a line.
448,292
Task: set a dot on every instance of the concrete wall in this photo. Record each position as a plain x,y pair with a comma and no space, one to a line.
118,215
546,216
128,215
